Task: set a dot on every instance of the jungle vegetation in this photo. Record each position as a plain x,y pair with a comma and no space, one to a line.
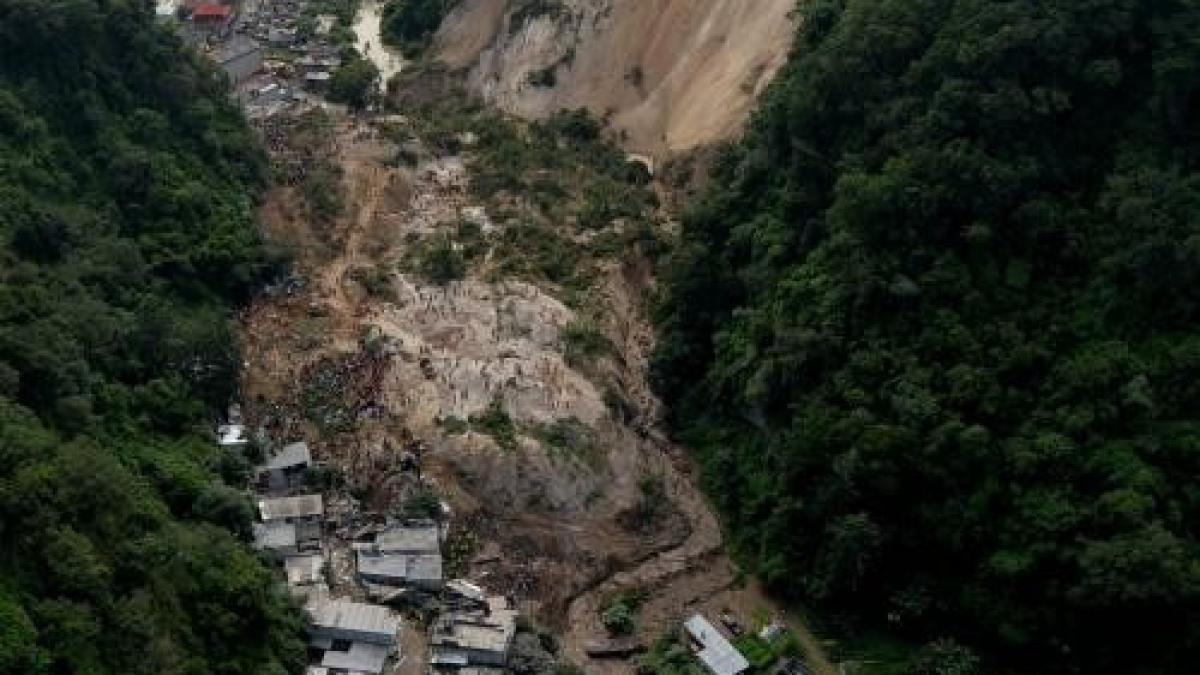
127,185
934,333
410,24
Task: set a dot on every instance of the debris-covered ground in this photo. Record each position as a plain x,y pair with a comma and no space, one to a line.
469,295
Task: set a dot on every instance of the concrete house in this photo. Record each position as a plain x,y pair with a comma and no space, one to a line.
284,535
409,555
232,435
352,636
419,571
286,469
240,58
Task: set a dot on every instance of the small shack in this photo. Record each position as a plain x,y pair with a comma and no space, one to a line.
409,555
353,622
713,649
212,17
299,509
232,435
409,539
352,636
286,470
420,571
240,58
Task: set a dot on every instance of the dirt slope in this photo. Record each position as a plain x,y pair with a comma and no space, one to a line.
675,74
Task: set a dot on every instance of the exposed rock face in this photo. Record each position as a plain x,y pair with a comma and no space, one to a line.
674,74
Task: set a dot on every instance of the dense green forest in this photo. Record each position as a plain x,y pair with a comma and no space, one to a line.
409,24
935,332
127,187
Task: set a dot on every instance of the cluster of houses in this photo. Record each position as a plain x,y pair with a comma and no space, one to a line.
252,37
401,563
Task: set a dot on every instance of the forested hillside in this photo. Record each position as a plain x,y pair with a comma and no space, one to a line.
935,333
127,186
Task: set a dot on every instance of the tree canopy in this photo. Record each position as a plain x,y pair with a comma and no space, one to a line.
934,335
128,180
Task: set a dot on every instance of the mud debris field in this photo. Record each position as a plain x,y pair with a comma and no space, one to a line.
563,499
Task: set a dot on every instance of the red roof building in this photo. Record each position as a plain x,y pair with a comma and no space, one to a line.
211,13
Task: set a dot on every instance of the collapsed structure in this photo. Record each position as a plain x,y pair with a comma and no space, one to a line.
473,638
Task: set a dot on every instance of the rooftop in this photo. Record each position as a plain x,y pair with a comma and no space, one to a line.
721,657
361,657
274,535
409,539
303,569
231,434
211,12
303,506
292,454
401,566
354,616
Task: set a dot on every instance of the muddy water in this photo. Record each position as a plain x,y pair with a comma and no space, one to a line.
370,44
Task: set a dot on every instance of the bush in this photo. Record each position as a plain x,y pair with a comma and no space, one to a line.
496,423
355,83
618,619
443,262
408,24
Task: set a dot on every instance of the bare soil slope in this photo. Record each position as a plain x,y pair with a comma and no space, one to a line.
674,74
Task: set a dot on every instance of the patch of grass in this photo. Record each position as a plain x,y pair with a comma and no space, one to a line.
650,506
619,612
762,654
618,404
569,436
452,425
443,262
422,502
457,550
583,344
496,423
322,190
536,252
669,656
376,281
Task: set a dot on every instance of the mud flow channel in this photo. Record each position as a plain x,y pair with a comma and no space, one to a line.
370,44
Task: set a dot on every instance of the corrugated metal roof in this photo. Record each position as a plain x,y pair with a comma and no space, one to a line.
292,454
721,657
302,506
401,567
274,535
354,616
361,657
303,569
231,434
409,539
